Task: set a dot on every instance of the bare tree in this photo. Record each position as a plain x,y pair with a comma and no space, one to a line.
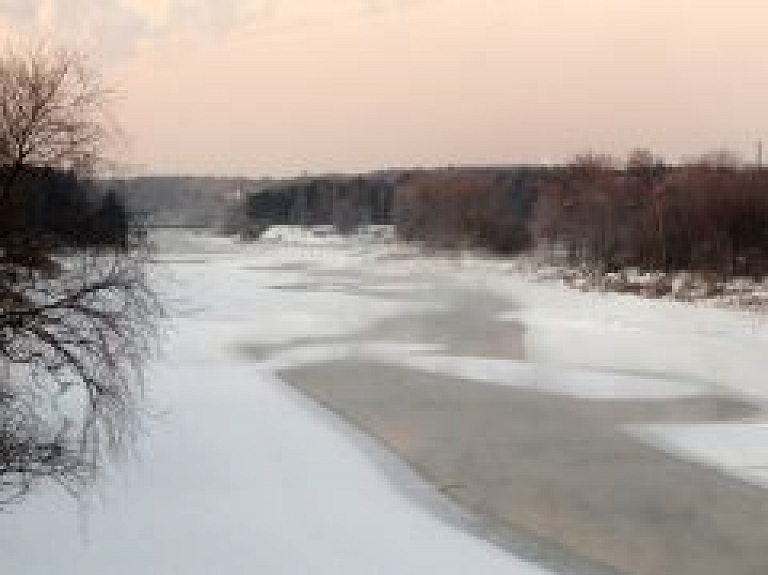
76,325
53,113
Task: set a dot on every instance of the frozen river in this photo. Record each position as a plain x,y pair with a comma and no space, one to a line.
238,475
463,422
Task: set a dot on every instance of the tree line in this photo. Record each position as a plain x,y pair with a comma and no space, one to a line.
66,211
708,215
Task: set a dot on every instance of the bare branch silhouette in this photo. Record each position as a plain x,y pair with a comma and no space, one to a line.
76,322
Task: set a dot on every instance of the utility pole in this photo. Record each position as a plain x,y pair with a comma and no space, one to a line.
759,155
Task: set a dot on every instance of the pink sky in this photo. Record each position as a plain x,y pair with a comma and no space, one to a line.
274,87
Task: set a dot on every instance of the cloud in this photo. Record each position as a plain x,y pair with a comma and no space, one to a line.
383,6
115,28
20,9
155,13
108,26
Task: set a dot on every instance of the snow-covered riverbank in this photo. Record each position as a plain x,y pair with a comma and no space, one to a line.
239,475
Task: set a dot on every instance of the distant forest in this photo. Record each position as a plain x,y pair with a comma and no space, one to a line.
344,201
184,201
231,204
706,216
64,211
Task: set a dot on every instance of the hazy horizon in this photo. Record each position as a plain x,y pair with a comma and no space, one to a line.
273,88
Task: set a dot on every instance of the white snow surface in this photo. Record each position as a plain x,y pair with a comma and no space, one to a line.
326,235
583,384
738,449
579,383
239,475
721,349
600,345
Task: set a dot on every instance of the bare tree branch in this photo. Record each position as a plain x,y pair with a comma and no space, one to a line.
76,325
